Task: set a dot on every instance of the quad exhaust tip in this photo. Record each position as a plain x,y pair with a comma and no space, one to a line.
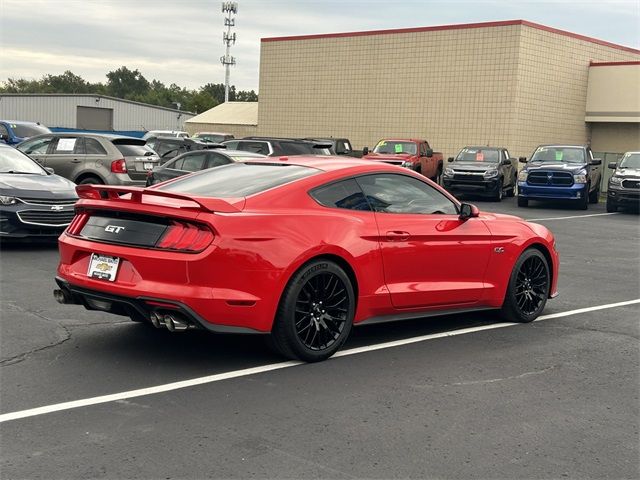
171,321
62,296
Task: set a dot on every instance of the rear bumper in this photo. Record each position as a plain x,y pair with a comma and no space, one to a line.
573,192
140,307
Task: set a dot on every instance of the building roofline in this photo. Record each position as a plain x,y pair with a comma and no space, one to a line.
611,64
460,26
94,95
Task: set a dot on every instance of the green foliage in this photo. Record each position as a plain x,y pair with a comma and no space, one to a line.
132,85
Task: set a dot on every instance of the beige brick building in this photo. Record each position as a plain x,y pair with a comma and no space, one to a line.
514,84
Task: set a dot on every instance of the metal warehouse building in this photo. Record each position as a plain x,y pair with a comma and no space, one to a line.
512,83
90,112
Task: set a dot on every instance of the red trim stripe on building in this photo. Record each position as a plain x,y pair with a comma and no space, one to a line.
611,64
461,26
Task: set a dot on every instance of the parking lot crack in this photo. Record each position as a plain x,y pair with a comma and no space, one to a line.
502,379
600,330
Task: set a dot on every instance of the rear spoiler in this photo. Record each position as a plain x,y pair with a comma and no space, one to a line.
115,193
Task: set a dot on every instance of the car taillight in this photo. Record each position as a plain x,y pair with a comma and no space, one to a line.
119,166
77,223
185,237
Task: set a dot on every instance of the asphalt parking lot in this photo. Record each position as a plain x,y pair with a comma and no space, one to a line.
554,399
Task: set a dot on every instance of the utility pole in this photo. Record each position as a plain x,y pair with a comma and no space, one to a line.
230,8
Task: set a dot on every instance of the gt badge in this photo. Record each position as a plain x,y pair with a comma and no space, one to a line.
499,249
113,228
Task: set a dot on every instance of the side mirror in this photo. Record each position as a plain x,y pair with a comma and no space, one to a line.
50,170
613,165
506,162
365,151
522,159
596,161
429,153
450,159
468,211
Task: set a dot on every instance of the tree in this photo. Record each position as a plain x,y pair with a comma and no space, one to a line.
125,83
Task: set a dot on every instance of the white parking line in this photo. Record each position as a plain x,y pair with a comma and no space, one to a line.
32,412
572,216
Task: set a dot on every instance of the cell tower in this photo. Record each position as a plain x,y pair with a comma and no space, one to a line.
230,8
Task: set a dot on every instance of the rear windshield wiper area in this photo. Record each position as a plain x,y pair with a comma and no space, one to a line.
19,172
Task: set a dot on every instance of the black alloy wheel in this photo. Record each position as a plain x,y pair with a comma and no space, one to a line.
528,288
523,202
90,181
583,203
612,206
315,314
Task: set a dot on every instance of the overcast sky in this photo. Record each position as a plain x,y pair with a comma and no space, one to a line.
180,41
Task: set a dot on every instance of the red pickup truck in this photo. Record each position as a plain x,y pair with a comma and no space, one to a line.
409,153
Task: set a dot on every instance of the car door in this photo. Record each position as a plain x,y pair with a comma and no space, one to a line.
431,258
508,169
37,148
594,170
65,155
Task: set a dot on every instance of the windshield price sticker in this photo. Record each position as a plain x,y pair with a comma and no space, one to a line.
398,147
103,267
479,156
559,154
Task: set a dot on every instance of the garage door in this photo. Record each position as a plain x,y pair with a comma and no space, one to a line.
92,118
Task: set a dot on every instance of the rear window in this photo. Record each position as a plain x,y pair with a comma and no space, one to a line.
135,150
28,130
239,179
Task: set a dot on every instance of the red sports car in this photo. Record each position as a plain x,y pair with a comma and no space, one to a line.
301,248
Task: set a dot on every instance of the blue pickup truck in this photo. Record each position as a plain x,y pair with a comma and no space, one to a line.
560,172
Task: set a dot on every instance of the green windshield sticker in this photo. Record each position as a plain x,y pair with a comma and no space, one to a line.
398,147
559,155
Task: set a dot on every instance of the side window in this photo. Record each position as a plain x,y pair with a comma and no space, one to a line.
79,149
232,145
93,147
423,149
65,145
345,194
151,143
216,160
175,164
4,131
168,149
256,147
393,193
193,163
36,147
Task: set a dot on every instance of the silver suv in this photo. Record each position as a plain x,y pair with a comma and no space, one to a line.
93,158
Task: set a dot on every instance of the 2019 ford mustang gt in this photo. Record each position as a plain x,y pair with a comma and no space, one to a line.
301,248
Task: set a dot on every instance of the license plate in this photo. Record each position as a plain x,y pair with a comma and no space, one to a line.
148,166
103,267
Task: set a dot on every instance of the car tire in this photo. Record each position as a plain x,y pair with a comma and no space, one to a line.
512,191
583,203
612,206
315,314
497,195
595,195
528,288
523,202
90,181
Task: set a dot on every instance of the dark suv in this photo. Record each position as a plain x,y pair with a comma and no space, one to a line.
274,147
482,171
624,184
170,147
560,172
339,146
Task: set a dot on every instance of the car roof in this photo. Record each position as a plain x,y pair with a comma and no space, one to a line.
107,136
484,148
22,122
401,140
276,139
561,145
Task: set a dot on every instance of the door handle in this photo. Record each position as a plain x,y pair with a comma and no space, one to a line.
75,160
398,236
